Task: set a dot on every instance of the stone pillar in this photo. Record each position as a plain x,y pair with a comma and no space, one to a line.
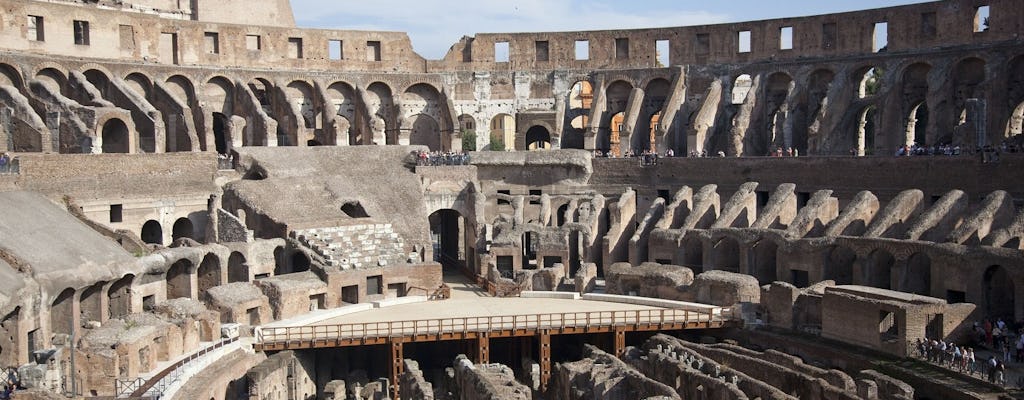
545,358
483,349
397,366
620,341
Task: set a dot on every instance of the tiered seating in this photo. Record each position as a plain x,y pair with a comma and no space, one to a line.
355,246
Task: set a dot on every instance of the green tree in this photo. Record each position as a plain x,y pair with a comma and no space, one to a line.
468,140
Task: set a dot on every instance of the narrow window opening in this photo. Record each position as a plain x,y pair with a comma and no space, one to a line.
212,42
373,51
35,28
829,35
662,52
253,42
334,51
622,49
500,51
981,15
880,40
703,43
81,32
543,50
744,40
582,50
116,213
786,38
295,48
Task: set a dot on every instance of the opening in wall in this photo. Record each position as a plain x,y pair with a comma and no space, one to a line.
662,49
295,48
744,42
981,15
81,32
621,48
542,48
373,51
35,28
786,38
500,51
880,39
334,51
211,41
116,212
582,50
253,42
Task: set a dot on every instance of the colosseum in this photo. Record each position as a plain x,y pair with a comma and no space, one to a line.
775,209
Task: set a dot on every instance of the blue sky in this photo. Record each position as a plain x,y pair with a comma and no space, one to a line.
435,25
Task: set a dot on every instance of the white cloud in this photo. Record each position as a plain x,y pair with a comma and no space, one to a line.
435,25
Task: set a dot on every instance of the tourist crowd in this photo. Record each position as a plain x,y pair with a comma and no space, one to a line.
439,158
998,338
8,164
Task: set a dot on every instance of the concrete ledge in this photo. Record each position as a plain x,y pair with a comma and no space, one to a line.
530,294
320,315
399,301
647,301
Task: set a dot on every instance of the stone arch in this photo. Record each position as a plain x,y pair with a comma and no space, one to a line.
867,80
116,136
208,275
179,279
612,143
878,269
741,86
424,130
262,89
302,97
182,88
917,275
867,131
999,290
98,78
119,297
152,233
343,97
777,90
238,268
218,93
140,83
916,125
577,116
693,254
765,256
90,303
380,102
10,75
53,78
656,93
726,253
1015,95
183,228
503,132
62,312
839,265
299,262
617,95
467,127
538,138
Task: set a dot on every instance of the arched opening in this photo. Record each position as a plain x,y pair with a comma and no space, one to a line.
968,75
777,111
182,229
693,255
424,131
119,297
581,99
870,81
917,123
538,138
152,233
53,79
61,312
221,140
740,88
727,255
529,241
90,305
447,233
560,215
503,132
10,76
613,144
209,273
839,265
878,269
238,269
1000,297
115,136
867,131
380,101
300,263
467,126
179,280
917,276
1015,97
765,264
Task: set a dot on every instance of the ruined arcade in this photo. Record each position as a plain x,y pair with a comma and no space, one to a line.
198,207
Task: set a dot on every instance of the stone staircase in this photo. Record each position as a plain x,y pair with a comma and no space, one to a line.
355,246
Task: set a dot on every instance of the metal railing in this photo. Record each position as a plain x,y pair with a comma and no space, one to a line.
462,325
159,383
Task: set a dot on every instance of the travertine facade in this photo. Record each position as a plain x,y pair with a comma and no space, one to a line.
165,182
